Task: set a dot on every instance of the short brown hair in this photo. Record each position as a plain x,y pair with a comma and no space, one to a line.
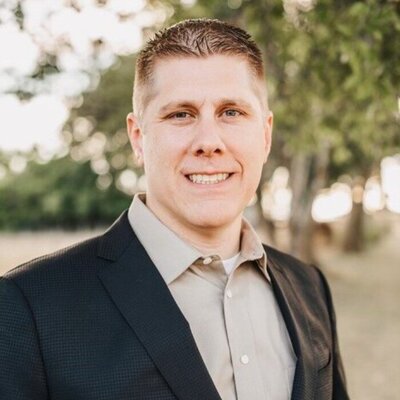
196,38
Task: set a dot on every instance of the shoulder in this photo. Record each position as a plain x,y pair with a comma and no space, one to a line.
307,280
80,258
44,285
292,266
72,271
81,255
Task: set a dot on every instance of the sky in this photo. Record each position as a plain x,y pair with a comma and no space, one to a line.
67,32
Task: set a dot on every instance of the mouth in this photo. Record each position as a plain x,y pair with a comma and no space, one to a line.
208,179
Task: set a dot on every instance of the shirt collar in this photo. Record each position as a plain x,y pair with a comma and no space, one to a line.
251,248
171,254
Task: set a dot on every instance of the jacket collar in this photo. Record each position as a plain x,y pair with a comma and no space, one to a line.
294,315
141,295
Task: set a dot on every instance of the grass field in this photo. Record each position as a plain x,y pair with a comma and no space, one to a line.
366,291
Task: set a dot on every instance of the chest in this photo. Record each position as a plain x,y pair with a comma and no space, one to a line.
239,331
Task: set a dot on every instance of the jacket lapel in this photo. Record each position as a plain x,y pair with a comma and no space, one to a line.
143,298
294,315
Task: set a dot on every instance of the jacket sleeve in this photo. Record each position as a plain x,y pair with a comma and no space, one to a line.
22,375
339,379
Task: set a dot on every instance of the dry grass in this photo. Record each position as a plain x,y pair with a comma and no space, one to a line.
366,291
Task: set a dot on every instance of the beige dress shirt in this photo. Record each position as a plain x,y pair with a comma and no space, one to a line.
234,317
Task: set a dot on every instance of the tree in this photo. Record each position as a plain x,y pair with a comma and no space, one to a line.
333,68
60,193
97,130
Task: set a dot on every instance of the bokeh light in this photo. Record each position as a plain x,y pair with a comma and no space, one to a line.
333,203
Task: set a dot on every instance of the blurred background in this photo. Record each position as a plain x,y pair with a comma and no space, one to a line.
330,193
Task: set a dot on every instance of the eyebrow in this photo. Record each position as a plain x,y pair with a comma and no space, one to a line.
192,104
177,104
236,101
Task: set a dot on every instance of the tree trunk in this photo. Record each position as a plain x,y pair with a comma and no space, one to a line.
353,240
300,221
308,176
354,237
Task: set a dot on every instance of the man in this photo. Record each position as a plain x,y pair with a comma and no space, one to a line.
178,299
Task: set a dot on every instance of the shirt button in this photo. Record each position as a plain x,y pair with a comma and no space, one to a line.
229,294
207,260
244,359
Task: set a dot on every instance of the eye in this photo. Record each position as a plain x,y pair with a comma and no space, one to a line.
180,115
232,113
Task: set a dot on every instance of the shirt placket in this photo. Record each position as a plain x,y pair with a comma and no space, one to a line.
241,338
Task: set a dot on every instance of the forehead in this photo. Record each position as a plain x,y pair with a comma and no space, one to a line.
194,78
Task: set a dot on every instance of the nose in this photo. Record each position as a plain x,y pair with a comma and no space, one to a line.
207,140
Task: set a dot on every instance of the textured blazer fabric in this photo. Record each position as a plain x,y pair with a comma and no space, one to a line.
96,321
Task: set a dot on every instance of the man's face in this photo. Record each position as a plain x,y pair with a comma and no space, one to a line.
203,137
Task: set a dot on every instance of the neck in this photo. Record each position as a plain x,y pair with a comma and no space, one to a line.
223,240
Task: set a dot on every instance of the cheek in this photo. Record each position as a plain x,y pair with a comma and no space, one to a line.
163,152
151,156
248,137
250,152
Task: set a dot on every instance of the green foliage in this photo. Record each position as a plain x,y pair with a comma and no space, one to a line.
110,102
333,75
59,193
106,109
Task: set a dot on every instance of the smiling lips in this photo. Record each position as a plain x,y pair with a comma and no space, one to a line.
208,179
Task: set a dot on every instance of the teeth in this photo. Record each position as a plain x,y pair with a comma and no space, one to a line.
208,179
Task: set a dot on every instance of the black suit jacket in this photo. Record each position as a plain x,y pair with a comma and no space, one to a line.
97,322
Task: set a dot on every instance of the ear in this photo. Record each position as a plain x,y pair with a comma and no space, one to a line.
268,124
135,137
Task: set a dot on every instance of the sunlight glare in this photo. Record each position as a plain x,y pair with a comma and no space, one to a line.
333,203
390,175
22,52
373,197
22,124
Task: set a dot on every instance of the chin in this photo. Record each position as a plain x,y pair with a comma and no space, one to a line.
213,219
